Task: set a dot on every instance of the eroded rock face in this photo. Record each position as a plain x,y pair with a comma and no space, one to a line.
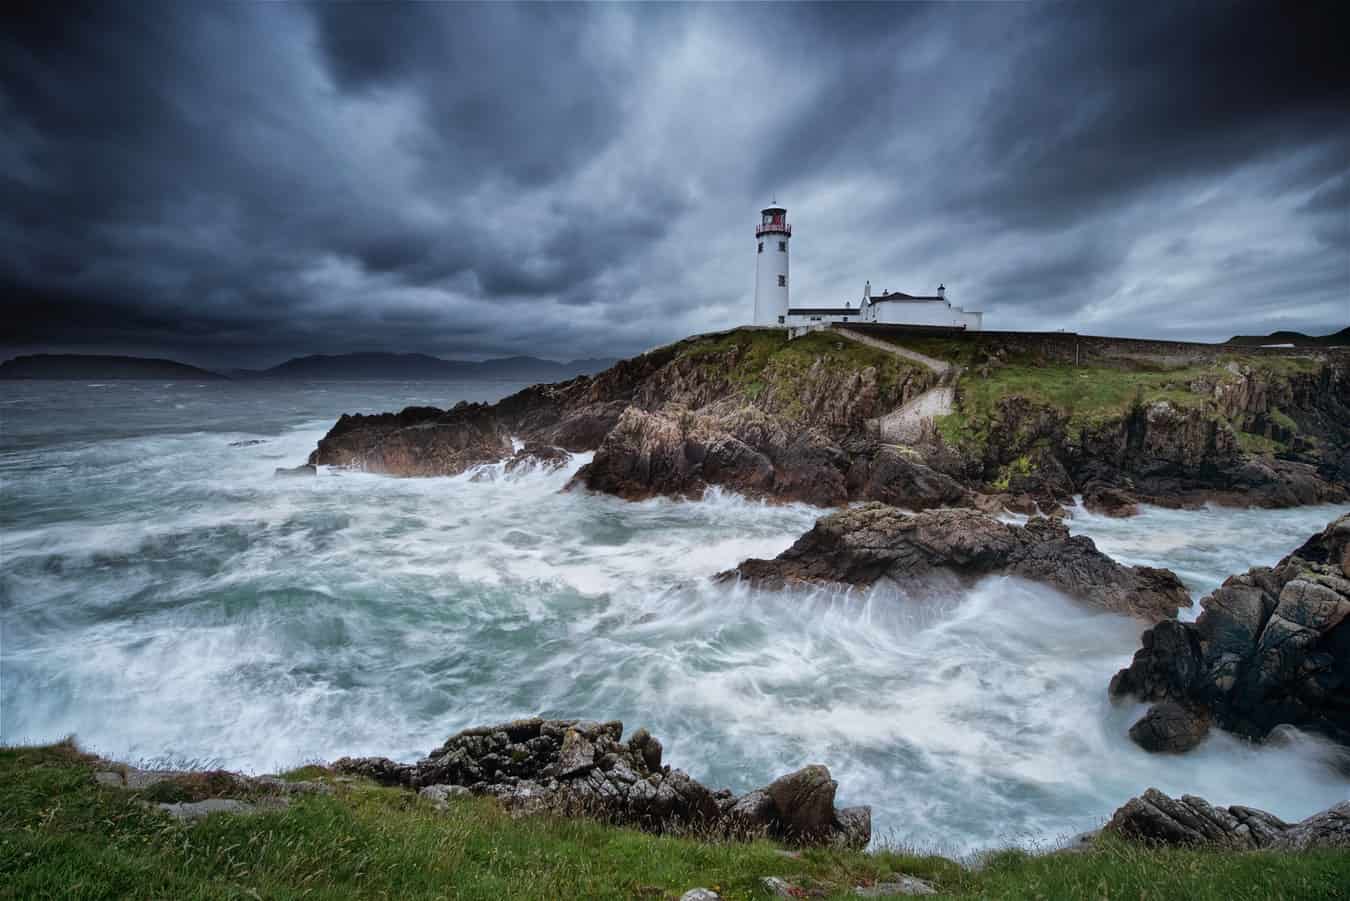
579,766
1271,648
863,544
1156,818
804,426
419,441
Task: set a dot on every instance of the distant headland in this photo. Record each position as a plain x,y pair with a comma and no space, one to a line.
315,367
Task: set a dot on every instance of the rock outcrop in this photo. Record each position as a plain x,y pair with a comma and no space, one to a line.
860,545
585,767
1157,819
801,421
1272,647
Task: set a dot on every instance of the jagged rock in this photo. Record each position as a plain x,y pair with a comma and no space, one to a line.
536,455
676,452
1328,829
896,476
377,769
644,743
860,545
853,827
1156,818
583,767
1270,648
1170,726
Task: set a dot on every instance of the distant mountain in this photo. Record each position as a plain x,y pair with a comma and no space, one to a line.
97,366
1298,339
422,366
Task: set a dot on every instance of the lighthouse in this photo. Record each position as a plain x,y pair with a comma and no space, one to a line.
771,266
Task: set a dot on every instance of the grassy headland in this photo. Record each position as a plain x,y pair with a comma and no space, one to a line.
1092,393
62,835
764,367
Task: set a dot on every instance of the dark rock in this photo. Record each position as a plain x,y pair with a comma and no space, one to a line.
535,455
377,769
1171,727
1271,648
1155,818
860,545
582,767
804,802
1109,501
896,476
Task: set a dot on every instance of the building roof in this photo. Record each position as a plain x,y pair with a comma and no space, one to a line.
900,295
824,311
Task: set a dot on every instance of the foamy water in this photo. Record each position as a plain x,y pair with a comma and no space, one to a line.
167,599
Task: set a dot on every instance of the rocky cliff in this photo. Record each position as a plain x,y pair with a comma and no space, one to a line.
747,410
799,420
1271,648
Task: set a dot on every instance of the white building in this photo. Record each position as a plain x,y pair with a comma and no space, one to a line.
772,306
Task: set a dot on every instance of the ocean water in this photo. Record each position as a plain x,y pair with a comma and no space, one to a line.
168,600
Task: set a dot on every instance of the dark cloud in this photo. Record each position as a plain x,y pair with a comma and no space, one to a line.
240,183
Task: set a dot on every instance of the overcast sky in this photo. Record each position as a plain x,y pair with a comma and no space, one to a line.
237,183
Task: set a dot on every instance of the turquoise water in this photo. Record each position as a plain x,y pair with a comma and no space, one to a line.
168,600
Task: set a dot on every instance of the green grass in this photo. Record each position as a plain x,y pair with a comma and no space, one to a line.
1092,395
764,367
63,836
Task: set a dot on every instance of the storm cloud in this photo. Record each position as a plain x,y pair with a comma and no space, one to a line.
233,184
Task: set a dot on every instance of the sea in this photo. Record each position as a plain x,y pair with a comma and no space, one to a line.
169,601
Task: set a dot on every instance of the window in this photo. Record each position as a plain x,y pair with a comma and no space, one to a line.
782,281
780,320
761,247
782,245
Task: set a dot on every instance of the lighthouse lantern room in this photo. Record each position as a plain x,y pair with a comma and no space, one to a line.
771,266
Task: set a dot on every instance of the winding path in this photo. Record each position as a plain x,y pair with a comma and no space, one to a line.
909,423
939,366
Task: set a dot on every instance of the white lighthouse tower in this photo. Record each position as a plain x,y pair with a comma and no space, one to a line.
771,266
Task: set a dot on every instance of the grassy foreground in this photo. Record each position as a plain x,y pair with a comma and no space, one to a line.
64,836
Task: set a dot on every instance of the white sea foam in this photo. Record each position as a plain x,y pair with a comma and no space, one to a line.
165,597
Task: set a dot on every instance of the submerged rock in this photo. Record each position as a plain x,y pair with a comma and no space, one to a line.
1156,818
582,767
304,469
860,545
1270,648
1170,726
